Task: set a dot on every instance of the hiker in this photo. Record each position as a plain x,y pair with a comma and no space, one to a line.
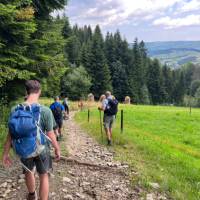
109,106
80,104
66,107
57,109
30,128
102,98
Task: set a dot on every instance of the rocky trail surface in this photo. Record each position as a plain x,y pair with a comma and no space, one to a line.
88,172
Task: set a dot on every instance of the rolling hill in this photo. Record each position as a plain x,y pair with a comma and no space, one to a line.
175,53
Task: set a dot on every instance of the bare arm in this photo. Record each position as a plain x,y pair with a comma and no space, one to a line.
103,106
55,144
7,146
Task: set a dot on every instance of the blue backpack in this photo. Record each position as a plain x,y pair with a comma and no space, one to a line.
28,140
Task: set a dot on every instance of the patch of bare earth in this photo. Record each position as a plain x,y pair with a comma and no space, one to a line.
89,172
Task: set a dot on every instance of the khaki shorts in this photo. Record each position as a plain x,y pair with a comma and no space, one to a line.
108,121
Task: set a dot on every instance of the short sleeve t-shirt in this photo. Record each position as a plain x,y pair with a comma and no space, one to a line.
47,122
57,104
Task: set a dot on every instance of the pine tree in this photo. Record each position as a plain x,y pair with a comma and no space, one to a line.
135,73
119,81
154,82
118,45
99,71
72,50
66,30
109,47
179,89
145,94
167,83
86,56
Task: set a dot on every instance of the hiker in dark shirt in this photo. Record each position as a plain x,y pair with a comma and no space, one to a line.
57,109
66,106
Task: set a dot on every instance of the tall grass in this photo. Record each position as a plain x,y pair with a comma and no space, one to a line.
162,143
4,114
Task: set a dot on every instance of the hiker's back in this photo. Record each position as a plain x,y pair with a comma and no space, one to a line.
111,107
24,127
57,109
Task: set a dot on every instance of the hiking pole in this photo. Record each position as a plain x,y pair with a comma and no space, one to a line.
88,115
101,125
122,121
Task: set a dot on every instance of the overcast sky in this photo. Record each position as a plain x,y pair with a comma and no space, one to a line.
149,20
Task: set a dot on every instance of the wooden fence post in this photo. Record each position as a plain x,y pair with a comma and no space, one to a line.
122,121
88,115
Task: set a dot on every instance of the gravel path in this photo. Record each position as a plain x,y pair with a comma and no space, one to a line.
97,176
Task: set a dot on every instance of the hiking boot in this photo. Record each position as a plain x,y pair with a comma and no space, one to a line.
109,143
32,196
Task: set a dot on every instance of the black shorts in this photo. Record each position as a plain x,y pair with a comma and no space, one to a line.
42,162
59,123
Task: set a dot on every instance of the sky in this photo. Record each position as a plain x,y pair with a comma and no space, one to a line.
149,20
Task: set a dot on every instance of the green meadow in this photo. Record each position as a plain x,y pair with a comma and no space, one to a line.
161,143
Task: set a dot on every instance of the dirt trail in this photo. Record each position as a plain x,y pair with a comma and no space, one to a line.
102,179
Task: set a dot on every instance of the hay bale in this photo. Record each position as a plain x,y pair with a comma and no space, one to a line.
127,100
91,97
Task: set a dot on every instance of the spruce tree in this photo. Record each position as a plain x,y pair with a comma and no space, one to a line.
154,82
135,74
167,83
179,89
119,81
72,50
99,71
110,47
66,30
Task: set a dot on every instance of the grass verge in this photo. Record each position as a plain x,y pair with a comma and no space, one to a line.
161,143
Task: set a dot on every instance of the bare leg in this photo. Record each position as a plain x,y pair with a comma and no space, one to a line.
110,130
56,132
30,181
59,131
44,186
108,133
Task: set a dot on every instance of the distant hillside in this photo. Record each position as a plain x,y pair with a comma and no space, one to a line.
175,53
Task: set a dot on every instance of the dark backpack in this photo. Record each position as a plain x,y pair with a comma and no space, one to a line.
112,107
28,140
57,112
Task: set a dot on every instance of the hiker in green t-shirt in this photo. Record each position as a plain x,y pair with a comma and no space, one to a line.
40,158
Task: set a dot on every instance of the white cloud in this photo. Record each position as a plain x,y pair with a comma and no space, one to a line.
119,12
192,5
169,23
115,13
132,9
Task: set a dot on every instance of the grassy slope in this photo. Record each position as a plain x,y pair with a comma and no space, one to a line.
162,143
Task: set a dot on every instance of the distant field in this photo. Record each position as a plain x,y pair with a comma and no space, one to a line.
175,53
162,143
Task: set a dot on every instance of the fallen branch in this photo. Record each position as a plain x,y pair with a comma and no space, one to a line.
74,161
